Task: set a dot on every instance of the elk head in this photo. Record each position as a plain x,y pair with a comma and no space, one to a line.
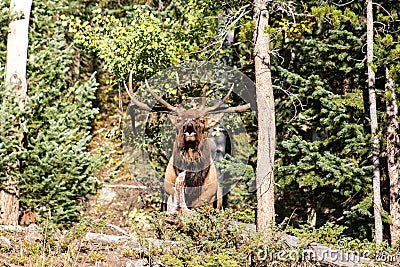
191,126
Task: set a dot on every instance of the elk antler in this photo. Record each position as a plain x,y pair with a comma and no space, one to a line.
144,106
179,90
216,107
241,108
160,100
134,100
203,98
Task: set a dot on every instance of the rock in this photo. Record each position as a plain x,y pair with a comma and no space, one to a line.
136,263
5,242
32,233
107,196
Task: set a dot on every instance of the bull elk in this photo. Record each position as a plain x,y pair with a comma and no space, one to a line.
191,178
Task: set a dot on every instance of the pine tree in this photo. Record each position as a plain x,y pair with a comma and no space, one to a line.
322,166
56,170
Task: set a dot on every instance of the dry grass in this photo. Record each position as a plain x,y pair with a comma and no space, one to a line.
49,246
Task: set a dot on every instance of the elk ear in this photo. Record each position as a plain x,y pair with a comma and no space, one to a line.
212,120
174,119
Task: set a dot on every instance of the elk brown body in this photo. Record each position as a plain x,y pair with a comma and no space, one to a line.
191,178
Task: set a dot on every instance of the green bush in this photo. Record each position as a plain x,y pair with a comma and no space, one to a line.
12,127
208,238
215,260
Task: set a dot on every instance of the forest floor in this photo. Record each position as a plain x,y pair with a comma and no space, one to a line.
118,210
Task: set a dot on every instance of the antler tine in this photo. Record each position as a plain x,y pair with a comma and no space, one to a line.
160,100
204,97
134,100
179,89
130,81
241,108
222,101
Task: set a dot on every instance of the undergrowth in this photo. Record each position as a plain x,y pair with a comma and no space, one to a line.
208,238
212,237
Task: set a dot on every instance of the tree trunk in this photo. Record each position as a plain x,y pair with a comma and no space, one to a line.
392,142
17,49
17,45
374,126
266,121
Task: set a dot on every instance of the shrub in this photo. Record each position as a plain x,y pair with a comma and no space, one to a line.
56,167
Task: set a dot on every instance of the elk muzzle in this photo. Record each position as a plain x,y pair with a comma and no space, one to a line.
189,131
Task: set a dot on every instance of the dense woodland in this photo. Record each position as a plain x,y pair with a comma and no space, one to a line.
67,140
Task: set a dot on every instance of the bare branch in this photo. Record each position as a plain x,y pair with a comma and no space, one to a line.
345,4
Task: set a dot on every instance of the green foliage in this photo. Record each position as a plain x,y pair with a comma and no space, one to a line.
245,215
48,142
235,167
47,245
171,260
218,260
333,236
144,46
12,127
329,233
323,144
323,150
207,238
386,42
333,15
148,40
332,56
4,20
59,167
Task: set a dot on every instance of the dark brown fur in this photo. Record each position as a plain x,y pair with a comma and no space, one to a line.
193,154
196,161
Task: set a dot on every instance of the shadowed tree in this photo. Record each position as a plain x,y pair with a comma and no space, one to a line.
15,78
266,120
374,126
392,141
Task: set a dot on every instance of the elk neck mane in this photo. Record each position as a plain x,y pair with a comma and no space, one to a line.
195,159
